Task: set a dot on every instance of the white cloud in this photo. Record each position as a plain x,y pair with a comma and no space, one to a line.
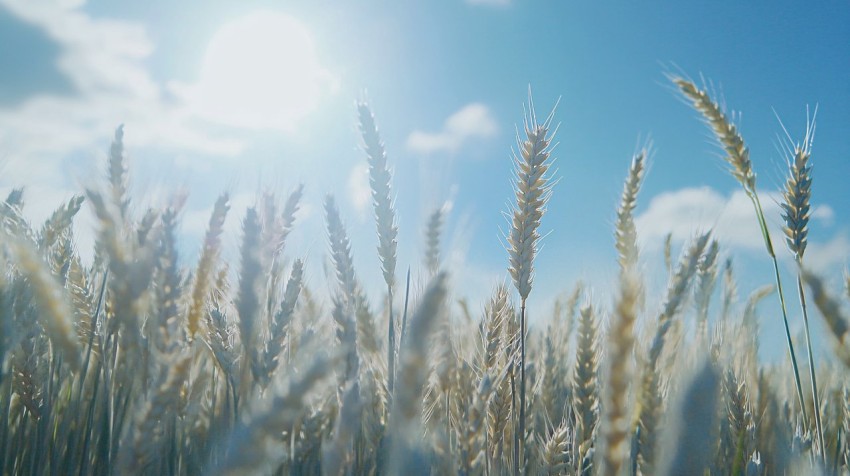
359,191
822,257
104,60
732,219
472,121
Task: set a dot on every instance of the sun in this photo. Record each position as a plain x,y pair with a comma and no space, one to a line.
261,71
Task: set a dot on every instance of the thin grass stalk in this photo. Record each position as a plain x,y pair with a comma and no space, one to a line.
738,156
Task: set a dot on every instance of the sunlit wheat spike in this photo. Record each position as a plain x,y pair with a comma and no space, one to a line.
621,339
624,231
433,230
737,153
59,221
206,264
695,415
676,293
250,276
118,173
532,187
50,298
555,454
379,180
585,392
341,252
830,309
795,206
706,279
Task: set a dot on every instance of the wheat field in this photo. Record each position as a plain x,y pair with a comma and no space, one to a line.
137,364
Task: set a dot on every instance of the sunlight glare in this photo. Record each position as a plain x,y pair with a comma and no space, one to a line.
261,72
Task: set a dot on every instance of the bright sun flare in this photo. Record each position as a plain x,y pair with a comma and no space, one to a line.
261,71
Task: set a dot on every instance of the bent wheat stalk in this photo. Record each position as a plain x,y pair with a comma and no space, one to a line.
738,157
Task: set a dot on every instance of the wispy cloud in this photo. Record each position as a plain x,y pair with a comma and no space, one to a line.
104,60
472,121
731,218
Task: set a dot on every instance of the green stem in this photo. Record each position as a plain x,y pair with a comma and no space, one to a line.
815,394
769,245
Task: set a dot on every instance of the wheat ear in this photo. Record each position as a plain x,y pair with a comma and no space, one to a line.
206,264
433,230
621,339
624,230
117,173
532,187
248,297
738,156
50,298
585,387
385,220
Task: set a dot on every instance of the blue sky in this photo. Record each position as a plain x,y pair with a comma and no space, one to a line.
447,81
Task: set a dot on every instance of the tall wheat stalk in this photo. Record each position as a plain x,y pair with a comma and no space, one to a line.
795,212
738,157
532,187
385,220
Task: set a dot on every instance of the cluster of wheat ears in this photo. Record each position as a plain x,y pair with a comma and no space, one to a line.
135,365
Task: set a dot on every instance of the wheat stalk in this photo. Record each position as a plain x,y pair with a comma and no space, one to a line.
621,339
738,156
209,254
795,212
385,220
532,188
